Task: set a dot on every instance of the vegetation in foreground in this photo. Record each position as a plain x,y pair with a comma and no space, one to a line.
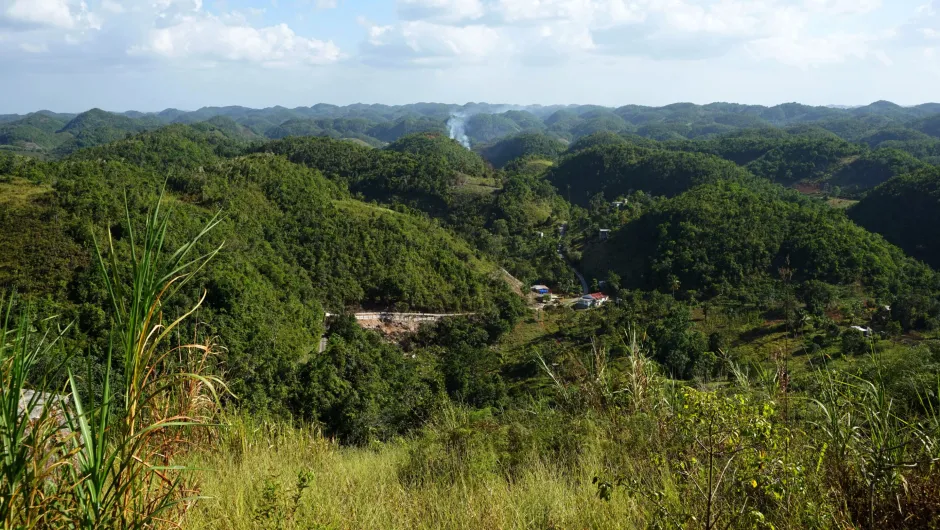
611,448
103,451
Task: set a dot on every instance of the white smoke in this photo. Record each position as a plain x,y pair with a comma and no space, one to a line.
457,123
457,126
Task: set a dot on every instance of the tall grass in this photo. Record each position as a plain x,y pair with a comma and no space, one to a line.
258,482
109,460
618,445
881,464
34,447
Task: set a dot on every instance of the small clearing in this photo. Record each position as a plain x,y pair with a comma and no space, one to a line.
17,191
841,204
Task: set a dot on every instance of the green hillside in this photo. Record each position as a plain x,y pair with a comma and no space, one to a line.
96,127
375,174
803,159
906,211
727,236
616,170
875,167
458,157
35,132
595,140
295,244
522,145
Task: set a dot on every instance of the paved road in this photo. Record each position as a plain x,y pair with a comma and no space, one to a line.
382,315
585,288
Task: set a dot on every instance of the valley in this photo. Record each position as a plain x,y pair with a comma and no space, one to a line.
337,307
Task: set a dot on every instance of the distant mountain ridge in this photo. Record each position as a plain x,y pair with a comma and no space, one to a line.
482,124
173,115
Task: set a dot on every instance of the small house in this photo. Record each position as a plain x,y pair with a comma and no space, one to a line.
540,234
618,204
864,331
599,299
589,301
541,289
605,234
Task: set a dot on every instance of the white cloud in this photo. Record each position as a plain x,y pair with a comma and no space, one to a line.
62,14
207,37
921,30
111,6
843,7
566,37
796,32
514,11
815,51
164,6
447,11
422,43
29,47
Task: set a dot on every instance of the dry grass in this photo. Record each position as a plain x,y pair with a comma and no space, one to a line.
841,204
360,488
20,191
106,459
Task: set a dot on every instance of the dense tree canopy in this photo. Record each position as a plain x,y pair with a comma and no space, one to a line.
615,170
906,211
522,145
426,145
295,244
727,234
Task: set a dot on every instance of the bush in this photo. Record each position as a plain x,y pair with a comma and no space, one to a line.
855,343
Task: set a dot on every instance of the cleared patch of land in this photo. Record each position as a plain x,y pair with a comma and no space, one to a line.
18,191
841,204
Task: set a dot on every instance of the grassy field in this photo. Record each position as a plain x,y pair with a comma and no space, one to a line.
272,476
477,185
841,204
19,191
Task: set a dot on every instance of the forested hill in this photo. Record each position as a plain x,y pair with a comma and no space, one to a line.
724,235
906,211
614,171
295,245
330,222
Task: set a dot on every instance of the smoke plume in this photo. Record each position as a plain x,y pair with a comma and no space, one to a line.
458,130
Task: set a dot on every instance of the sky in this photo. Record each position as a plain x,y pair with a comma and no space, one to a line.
147,55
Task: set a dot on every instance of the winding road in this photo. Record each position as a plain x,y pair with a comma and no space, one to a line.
585,288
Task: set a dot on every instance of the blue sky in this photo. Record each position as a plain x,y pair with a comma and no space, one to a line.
71,55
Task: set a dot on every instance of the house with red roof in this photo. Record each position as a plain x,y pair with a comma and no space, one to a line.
592,300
